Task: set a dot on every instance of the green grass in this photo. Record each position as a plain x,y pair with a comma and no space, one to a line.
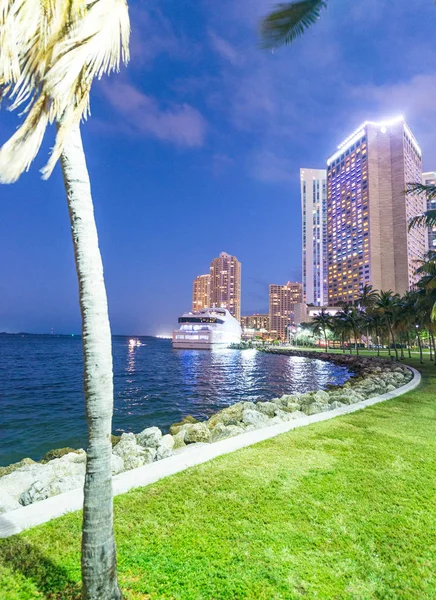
344,509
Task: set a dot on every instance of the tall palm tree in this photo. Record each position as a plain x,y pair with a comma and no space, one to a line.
50,53
322,323
387,303
289,21
352,317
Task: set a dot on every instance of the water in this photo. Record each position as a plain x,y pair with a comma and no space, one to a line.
42,402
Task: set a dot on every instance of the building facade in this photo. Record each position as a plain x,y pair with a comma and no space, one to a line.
257,322
368,211
282,299
225,284
430,179
201,292
314,235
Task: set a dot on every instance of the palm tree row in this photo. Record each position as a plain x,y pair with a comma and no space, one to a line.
383,319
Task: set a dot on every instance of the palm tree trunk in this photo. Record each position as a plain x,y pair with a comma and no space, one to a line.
420,347
434,346
326,341
355,341
343,343
393,339
401,351
408,345
99,575
367,338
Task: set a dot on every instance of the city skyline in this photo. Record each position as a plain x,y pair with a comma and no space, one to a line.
208,156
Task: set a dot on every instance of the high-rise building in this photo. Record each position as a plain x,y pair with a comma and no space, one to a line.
256,321
201,292
314,219
282,299
368,211
430,179
225,284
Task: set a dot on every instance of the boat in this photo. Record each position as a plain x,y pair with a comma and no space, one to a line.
206,329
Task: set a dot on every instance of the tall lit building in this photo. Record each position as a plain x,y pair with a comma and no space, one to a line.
368,211
430,179
282,299
201,292
225,284
314,219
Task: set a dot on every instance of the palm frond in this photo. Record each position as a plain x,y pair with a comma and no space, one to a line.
288,21
51,51
426,219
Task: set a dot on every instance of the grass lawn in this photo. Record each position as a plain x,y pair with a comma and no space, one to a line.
336,510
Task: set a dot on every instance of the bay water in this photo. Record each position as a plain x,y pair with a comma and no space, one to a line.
42,400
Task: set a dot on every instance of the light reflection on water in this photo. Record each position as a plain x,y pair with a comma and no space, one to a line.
41,394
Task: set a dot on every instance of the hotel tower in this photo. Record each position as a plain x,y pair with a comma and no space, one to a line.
201,292
368,211
225,284
430,179
282,299
314,219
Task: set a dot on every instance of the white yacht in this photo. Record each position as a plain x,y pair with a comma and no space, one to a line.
207,328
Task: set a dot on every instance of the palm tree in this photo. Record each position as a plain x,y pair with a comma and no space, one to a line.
50,54
289,21
387,303
352,317
367,298
321,323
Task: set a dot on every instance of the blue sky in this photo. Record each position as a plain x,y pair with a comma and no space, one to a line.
196,147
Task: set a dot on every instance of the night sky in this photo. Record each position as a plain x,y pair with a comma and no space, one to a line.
196,147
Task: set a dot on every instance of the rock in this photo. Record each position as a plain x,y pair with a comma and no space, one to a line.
321,397
281,402
36,492
222,432
254,418
390,388
7,503
117,464
179,440
64,484
267,408
16,466
58,453
150,437
165,448
197,432
336,404
232,415
291,407
316,407
283,415
176,427
132,453
114,440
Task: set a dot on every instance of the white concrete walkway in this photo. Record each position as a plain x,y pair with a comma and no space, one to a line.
41,512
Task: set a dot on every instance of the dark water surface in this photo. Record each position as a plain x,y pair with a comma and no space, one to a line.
42,402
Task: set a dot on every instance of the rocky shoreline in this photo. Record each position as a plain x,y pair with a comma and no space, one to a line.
28,481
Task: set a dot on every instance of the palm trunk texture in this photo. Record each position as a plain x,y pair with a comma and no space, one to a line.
99,575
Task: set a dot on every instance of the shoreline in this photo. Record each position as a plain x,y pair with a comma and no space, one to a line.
31,482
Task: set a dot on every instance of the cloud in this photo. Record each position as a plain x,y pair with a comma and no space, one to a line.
415,96
179,124
225,49
153,35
